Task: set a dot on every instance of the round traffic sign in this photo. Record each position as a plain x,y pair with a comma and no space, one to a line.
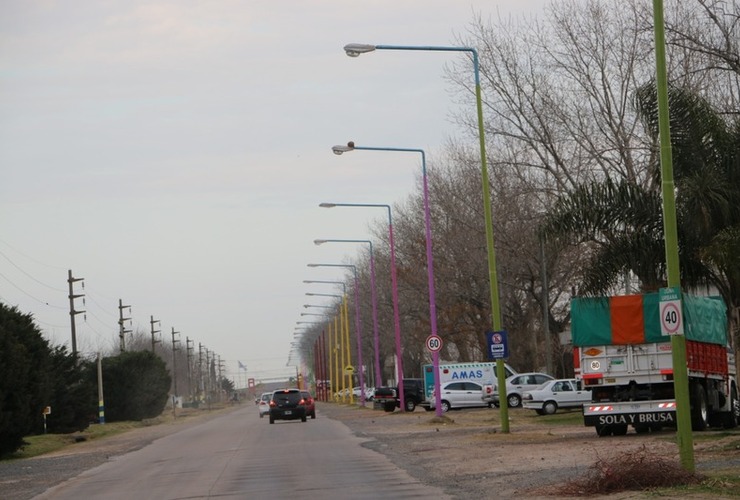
670,317
434,343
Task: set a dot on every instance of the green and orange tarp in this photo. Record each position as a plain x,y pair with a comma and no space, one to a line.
634,319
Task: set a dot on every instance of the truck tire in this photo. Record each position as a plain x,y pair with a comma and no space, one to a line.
619,429
732,418
410,404
389,406
603,430
699,412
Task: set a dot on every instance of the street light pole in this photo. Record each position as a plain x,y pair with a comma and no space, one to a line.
358,330
430,262
394,282
343,330
376,342
354,50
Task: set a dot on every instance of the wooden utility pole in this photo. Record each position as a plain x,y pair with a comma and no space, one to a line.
121,328
152,322
72,312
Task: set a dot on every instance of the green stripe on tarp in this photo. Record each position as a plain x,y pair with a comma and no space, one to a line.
705,320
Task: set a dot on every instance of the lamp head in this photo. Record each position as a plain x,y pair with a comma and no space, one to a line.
327,205
355,49
312,265
338,150
319,242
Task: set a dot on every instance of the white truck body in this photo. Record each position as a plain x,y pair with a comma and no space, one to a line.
484,373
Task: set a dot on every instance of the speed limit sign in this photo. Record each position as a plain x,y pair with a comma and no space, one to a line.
434,343
671,320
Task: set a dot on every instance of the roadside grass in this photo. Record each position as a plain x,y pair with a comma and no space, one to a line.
47,443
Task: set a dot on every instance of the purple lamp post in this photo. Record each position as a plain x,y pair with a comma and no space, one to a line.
358,327
376,341
394,286
430,264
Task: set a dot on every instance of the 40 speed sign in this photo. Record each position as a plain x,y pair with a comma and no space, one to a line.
671,318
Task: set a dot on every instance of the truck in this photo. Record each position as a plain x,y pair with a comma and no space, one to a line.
483,373
388,399
622,355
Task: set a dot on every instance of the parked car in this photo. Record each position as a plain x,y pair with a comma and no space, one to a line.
263,403
459,395
310,404
516,385
287,404
560,393
368,393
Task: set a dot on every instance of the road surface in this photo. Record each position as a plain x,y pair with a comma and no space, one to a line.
239,455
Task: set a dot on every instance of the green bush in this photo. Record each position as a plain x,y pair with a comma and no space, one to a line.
136,386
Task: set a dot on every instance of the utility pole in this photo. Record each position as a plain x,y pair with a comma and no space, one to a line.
208,379
152,322
220,377
174,369
101,401
201,390
72,312
121,329
189,346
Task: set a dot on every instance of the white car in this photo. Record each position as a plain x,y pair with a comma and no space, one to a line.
263,405
516,385
459,395
560,393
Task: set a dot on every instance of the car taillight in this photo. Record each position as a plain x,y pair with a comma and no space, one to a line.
302,402
272,403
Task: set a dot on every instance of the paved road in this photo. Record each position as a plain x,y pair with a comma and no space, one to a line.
239,455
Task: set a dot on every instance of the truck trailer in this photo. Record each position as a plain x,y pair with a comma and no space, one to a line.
621,354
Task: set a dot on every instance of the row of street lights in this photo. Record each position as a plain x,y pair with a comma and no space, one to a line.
354,50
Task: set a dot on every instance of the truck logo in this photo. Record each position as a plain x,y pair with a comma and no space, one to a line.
467,375
640,418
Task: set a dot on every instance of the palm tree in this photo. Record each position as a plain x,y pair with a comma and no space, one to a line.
619,223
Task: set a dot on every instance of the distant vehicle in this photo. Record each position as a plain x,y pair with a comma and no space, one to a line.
287,404
310,404
483,373
516,385
560,393
455,395
263,403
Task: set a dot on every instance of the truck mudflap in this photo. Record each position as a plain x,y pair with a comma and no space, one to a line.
639,414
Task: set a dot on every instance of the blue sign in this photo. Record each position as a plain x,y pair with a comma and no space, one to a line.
498,346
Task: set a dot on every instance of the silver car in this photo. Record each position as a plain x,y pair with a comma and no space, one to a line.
516,385
561,393
263,405
459,395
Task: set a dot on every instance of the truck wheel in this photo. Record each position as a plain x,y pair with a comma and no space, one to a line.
619,430
550,407
604,430
699,410
732,418
445,406
410,404
389,407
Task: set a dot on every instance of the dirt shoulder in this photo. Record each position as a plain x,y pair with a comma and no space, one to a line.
467,454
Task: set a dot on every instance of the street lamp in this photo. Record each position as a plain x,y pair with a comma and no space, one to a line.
394,281
376,341
354,50
340,339
338,150
358,329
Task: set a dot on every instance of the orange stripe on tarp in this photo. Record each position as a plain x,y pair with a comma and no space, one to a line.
627,321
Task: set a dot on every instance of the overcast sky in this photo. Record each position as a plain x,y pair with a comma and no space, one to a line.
174,153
